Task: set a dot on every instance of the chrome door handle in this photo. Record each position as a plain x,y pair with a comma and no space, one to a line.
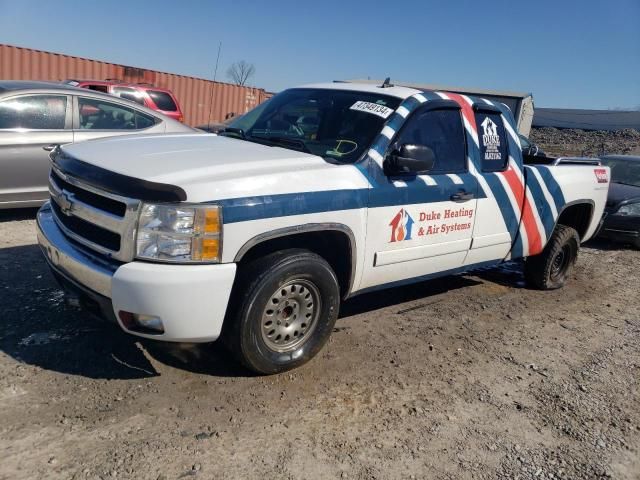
462,196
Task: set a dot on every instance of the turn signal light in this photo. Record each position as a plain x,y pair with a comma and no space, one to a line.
205,249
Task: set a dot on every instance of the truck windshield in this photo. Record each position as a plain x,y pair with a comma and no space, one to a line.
334,124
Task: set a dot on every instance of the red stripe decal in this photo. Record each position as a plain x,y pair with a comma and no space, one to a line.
529,221
467,111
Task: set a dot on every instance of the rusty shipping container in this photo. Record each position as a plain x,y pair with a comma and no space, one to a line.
201,100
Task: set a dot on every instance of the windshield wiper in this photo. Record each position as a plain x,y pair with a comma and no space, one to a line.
292,142
233,130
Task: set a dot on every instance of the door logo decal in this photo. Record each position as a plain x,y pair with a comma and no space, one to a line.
401,226
491,140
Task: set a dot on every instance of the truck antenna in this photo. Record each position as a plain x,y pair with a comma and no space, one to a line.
387,83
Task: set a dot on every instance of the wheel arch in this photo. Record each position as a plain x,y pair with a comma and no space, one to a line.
341,253
577,214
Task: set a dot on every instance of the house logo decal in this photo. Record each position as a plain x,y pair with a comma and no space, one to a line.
401,226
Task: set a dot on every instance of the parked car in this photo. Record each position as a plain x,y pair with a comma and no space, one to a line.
36,116
326,192
159,99
622,212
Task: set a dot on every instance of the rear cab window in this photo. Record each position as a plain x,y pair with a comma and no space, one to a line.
163,100
492,137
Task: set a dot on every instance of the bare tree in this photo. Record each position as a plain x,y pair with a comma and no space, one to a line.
240,72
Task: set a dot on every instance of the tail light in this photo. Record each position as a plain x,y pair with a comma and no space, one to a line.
181,118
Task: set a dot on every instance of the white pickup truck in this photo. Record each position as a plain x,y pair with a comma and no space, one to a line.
324,192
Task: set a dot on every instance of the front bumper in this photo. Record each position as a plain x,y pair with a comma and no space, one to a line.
621,228
190,300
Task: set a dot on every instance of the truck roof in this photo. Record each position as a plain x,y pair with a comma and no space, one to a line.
446,88
394,91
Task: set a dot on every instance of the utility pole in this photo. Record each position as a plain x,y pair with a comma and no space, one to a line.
213,85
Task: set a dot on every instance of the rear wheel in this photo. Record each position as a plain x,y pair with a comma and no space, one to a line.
284,309
551,268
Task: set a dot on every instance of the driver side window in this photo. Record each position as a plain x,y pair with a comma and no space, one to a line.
442,131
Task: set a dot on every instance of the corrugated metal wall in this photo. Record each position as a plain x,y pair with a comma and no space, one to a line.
201,100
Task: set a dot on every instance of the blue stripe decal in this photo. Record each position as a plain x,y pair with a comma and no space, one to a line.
283,205
380,144
510,218
395,122
417,191
386,195
410,104
430,95
552,186
408,281
544,211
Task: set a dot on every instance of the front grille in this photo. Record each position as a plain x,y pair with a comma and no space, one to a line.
91,232
90,198
101,221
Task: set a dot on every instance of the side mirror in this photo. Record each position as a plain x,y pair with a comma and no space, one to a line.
409,159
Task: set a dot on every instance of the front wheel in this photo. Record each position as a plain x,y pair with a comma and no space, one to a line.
550,269
284,310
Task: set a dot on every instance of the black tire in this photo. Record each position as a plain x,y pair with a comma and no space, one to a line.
551,268
257,288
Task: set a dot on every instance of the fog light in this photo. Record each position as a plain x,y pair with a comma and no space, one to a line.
139,322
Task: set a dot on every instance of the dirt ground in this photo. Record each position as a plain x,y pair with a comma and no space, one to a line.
469,377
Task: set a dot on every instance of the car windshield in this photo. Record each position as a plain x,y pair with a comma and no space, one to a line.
336,125
623,171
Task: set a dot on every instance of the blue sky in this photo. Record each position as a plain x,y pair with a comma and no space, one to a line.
574,54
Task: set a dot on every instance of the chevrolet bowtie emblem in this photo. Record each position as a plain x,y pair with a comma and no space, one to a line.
65,202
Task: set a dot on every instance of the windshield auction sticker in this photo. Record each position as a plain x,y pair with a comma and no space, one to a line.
379,110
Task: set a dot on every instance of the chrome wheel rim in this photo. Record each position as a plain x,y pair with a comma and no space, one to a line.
290,315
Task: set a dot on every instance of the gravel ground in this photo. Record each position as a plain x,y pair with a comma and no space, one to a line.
468,377
572,142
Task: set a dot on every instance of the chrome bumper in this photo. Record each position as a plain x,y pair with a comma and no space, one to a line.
71,261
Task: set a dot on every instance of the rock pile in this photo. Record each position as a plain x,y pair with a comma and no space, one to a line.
572,142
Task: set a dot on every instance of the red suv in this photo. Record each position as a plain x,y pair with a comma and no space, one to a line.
159,99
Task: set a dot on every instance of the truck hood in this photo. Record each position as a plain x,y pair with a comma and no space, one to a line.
206,167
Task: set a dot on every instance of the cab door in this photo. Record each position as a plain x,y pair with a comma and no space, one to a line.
420,223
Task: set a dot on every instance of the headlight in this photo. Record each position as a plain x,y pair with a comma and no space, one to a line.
179,233
629,209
